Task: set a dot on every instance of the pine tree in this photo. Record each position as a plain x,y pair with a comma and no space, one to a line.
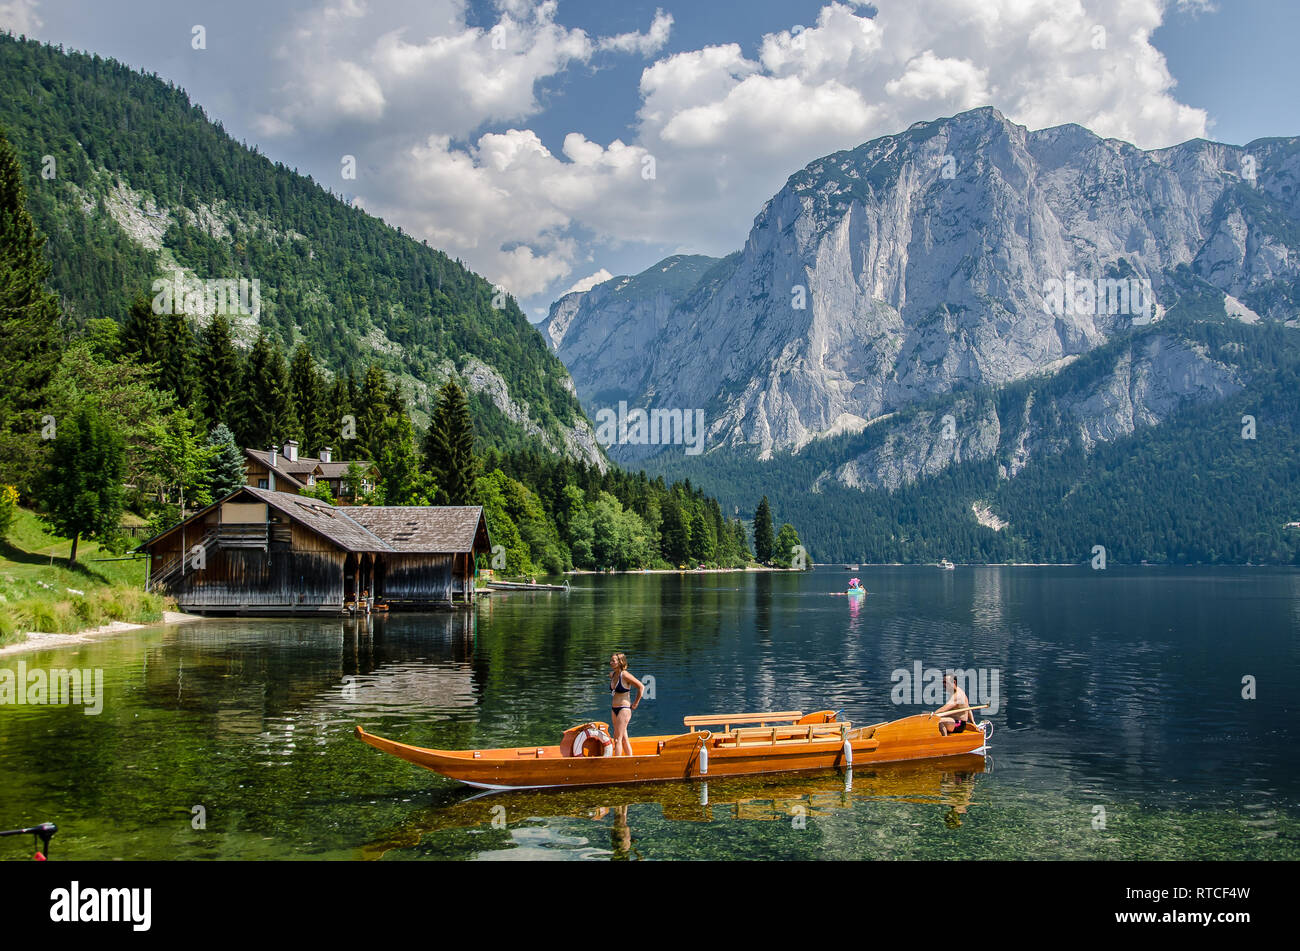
286,424
675,533
372,407
740,541
177,371
218,372
339,406
307,391
449,446
261,398
226,471
142,334
701,538
29,328
763,541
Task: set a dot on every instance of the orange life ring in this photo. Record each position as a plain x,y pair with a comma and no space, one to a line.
593,732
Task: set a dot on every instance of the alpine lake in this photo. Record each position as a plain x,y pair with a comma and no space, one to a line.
1139,713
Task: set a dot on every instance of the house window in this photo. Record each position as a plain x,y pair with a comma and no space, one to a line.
261,483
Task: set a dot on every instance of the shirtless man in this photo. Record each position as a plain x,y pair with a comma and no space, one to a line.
957,722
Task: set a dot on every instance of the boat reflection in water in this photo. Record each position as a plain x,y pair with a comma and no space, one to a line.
949,781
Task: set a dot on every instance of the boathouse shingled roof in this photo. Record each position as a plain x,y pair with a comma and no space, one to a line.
424,528
419,529
324,519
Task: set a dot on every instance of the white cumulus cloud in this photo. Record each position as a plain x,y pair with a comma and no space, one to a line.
651,41
20,17
588,282
716,132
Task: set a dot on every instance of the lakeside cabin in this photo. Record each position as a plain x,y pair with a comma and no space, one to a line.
284,470
261,552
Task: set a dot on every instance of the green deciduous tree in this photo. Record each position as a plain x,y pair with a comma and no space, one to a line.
506,539
8,506
82,488
121,393
786,540
181,460
400,480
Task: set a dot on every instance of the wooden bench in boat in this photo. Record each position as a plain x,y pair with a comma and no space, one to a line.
799,733
764,735
726,719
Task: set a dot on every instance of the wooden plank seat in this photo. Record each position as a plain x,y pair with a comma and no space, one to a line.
726,719
797,733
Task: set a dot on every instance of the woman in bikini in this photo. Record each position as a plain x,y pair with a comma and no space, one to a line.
620,713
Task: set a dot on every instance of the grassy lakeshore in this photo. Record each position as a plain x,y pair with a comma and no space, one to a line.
39,592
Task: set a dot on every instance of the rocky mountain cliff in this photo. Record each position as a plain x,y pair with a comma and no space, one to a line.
1140,385
963,253
608,329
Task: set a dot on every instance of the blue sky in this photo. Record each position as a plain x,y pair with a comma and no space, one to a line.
545,143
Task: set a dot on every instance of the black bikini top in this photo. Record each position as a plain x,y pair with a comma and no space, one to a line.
620,688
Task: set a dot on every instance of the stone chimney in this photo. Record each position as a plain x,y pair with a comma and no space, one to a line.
291,451
325,454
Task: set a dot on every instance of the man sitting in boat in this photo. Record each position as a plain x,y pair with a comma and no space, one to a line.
960,717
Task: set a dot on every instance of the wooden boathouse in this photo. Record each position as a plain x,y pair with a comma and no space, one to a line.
263,552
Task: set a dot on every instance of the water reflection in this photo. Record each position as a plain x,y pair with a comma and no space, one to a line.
789,798
987,604
1121,688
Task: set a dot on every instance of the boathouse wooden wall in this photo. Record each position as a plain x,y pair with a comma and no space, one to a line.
252,579
417,578
296,571
308,558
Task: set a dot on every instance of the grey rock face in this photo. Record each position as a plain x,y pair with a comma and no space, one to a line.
577,441
922,446
926,262
609,328
561,316
1145,383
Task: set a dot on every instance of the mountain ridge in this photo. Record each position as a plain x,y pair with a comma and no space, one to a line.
922,261
131,182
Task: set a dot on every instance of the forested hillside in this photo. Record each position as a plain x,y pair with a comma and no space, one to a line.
130,181
142,415
1204,486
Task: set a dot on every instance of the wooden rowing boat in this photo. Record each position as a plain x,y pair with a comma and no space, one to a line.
526,586
747,744
948,782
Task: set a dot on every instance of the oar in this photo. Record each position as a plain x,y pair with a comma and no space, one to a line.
960,709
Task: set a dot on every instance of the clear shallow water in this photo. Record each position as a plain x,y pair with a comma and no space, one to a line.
1119,691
